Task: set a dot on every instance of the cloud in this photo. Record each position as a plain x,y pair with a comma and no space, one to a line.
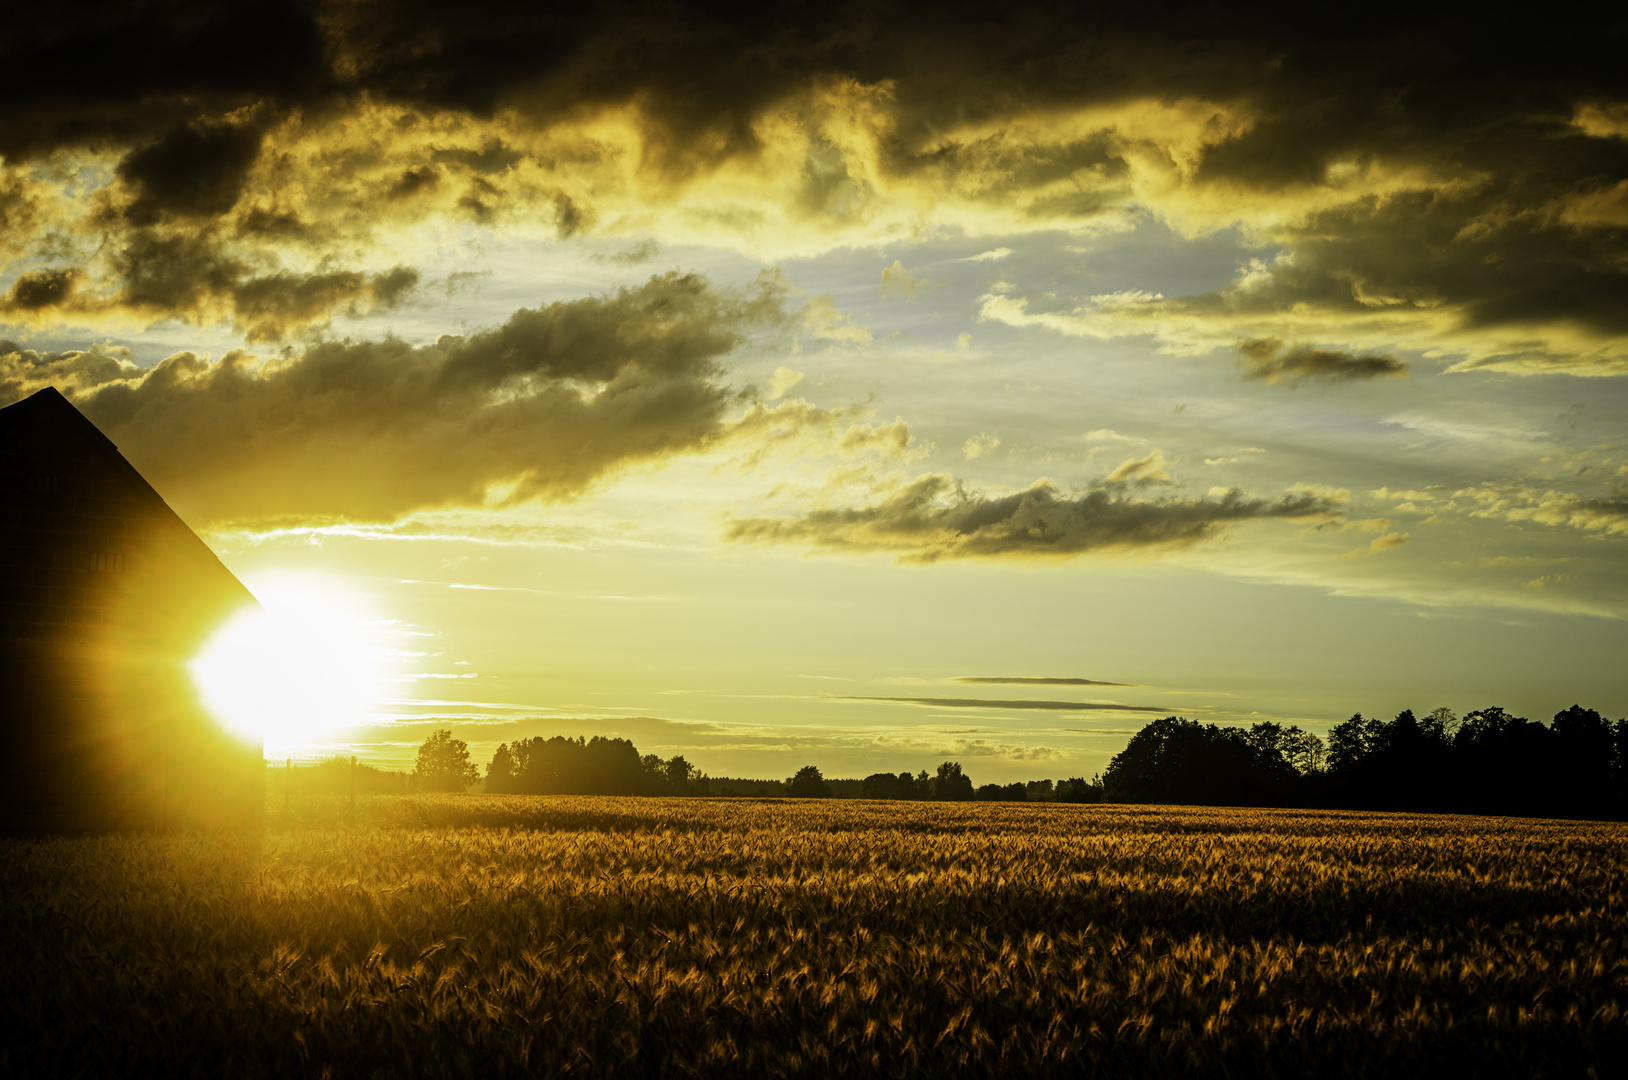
1549,581
796,427
1377,544
1518,502
168,274
1464,196
897,281
979,445
933,517
1018,704
1243,453
1270,360
545,405
197,170
272,307
38,289
642,252
989,256
1385,493
976,748
24,370
1141,472
781,382
821,319
1602,119
1478,267
1029,680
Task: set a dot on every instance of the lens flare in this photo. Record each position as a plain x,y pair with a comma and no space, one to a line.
302,667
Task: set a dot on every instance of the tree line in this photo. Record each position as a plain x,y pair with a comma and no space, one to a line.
608,766
951,784
1487,762
581,766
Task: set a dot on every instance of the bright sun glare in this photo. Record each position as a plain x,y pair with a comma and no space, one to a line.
305,665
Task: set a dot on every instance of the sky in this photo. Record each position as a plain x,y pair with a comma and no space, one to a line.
859,385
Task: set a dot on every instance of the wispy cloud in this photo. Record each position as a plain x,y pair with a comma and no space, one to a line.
1025,703
1032,680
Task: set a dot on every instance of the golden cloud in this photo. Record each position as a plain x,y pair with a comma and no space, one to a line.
1472,210
543,407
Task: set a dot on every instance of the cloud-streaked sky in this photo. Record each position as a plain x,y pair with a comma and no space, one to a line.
863,384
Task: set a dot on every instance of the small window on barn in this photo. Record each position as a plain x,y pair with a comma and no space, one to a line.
108,562
42,483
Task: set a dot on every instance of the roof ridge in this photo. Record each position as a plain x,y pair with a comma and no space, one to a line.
52,401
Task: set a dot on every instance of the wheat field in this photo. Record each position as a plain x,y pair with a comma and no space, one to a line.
512,936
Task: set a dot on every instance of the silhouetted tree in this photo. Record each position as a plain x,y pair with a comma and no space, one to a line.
891,786
807,783
443,764
1077,790
1175,760
951,784
1349,745
1408,766
1305,752
1488,762
500,772
1619,769
1440,725
682,778
612,767
1583,758
654,775
1500,760
597,766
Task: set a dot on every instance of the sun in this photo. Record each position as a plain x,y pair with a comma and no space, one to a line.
297,670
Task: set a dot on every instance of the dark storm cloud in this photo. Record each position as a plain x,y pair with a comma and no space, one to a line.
127,73
1326,85
1029,680
42,288
194,171
548,403
1272,361
189,274
1462,176
271,307
935,517
981,703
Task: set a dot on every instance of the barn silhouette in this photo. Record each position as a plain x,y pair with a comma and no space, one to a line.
105,594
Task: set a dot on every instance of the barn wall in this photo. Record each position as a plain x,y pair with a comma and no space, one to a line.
105,595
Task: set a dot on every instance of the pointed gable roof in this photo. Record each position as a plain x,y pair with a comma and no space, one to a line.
79,524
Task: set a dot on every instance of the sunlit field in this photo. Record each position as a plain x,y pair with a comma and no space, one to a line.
505,936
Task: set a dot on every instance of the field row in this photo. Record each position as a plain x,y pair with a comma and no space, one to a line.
520,935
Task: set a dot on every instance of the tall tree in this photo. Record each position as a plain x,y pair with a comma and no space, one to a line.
807,783
500,773
443,763
951,784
